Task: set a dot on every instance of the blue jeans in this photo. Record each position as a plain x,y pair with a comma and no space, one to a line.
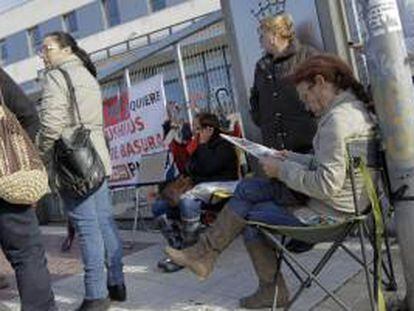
254,199
160,207
190,209
99,241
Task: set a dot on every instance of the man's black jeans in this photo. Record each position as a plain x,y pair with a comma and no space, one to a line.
21,243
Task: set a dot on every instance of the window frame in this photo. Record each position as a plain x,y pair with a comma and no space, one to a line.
4,53
151,4
106,8
67,22
34,47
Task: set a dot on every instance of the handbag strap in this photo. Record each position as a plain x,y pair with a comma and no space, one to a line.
72,95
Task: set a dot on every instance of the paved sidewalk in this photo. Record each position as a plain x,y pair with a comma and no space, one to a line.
148,289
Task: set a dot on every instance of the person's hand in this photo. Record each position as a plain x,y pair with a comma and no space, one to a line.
271,166
280,154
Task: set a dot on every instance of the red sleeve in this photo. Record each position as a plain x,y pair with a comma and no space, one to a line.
192,145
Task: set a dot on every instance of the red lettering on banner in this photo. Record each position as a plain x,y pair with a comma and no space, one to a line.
124,128
139,124
151,142
142,146
115,109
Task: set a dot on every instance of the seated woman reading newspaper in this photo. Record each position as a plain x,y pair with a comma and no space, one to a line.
213,161
327,85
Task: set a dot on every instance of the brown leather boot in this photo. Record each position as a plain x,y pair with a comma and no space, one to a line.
265,263
200,258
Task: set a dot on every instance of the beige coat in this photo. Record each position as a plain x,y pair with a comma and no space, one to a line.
57,115
324,176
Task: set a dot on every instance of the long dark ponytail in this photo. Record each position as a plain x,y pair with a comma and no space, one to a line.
64,39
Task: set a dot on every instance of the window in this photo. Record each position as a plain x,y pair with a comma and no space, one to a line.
3,51
157,5
111,12
35,39
71,22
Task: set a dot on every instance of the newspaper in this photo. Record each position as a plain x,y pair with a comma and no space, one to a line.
250,147
205,191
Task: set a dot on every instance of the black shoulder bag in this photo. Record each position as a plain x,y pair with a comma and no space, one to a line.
79,168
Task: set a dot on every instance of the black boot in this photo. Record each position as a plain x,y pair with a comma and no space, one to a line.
171,232
95,305
168,266
117,292
190,230
190,233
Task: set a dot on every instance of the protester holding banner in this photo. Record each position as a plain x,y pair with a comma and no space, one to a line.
275,105
213,160
92,214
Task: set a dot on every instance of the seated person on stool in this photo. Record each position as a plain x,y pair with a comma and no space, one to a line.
214,159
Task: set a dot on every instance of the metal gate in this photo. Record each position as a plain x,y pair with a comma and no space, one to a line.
206,62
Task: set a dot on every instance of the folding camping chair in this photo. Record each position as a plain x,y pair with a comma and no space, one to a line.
363,154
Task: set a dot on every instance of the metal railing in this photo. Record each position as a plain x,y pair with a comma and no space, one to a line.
141,40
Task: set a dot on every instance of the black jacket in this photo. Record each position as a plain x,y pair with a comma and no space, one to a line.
214,161
19,104
275,105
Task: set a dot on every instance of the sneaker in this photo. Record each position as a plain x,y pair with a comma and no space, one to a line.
95,305
117,292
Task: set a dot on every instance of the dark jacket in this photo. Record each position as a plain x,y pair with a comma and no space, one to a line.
275,104
19,104
213,161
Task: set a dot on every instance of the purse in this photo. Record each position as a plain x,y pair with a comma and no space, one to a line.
23,178
174,189
79,168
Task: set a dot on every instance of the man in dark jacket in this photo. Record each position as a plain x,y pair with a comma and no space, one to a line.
275,104
20,237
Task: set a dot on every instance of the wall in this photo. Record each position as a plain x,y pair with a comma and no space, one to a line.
27,69
131,9
54,24
90,19
17,47
35,12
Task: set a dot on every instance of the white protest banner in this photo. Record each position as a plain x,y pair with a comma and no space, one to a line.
133,128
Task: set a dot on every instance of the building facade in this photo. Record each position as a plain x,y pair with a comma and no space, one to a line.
97,24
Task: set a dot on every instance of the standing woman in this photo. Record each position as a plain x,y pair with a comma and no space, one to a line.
92,216
275,105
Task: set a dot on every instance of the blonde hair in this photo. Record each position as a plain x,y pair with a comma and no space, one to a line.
281,25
